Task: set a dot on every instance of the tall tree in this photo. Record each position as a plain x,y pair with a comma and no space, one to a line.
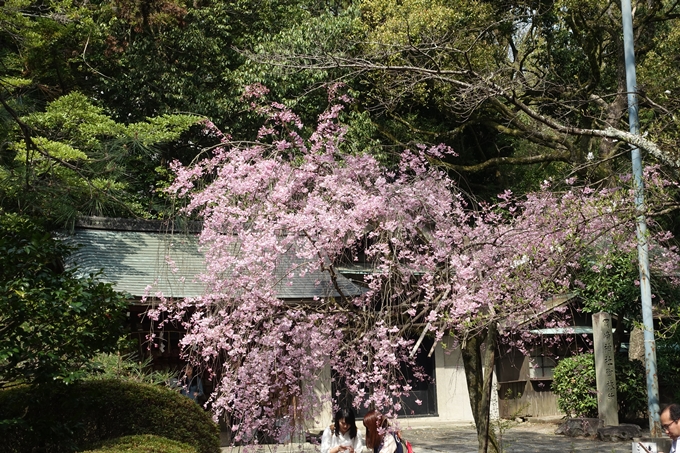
508,84
72,160
53,320
473,272
129,61
144,59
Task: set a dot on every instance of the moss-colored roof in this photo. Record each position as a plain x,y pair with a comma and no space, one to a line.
169,262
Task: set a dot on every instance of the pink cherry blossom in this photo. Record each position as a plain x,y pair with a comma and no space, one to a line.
435,257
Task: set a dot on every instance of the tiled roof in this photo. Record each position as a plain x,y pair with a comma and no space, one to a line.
133,260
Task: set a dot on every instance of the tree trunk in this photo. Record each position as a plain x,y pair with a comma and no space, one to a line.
479,354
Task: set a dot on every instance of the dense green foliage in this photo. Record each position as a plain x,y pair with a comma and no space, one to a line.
125,367
73,417
609,282
143,444
631,388
73,159
521,90
668,368
53,320
576,388
90,122
574,384
457,73
610,286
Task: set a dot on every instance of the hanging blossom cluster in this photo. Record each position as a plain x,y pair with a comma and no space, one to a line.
290,206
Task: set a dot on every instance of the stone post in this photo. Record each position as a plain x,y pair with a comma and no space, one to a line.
607,406
636,345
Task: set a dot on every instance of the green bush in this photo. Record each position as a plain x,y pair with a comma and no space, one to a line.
145,443
631,388
61,418
574,385
125,367
576,388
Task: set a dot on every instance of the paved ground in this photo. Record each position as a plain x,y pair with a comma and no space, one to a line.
527,437
518,438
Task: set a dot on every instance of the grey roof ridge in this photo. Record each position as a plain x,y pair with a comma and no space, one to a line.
178,225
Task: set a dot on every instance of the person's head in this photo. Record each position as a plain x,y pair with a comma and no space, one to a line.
670,420
188,370
374,421
345,421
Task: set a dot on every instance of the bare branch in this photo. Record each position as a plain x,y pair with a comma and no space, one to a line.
495,161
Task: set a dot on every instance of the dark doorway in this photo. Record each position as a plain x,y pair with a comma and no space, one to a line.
423,391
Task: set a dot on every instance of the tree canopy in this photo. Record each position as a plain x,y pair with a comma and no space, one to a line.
75,160
53,320
514,87
480,167
522,90
437,264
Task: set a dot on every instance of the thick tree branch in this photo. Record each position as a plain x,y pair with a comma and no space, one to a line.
485,90
609,132
496,161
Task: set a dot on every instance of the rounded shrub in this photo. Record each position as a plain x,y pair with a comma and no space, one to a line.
60,418
575,385
145,443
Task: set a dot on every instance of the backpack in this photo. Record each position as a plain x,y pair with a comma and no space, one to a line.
403,446
400,447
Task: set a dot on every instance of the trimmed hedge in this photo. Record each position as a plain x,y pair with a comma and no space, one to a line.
145,443
66,418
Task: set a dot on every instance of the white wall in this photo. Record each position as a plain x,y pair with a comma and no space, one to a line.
453,403
323,390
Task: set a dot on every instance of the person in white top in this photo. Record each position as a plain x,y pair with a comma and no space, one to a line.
670,424
343,436
378,436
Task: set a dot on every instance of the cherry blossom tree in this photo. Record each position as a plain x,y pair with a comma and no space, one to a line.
441,265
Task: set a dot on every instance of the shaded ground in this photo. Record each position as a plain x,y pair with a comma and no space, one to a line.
528,437
518,438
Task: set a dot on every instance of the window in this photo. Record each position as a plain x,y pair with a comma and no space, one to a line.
541,367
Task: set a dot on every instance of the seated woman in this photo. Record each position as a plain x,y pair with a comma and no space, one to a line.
378,438
343,436
192,385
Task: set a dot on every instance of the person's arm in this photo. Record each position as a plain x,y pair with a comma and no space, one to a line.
358,442
330,443
326,439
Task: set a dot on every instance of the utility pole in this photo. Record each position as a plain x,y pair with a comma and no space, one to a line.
642,236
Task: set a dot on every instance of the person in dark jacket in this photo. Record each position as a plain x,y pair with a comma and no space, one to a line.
191,385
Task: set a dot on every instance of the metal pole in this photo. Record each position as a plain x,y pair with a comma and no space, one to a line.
643,247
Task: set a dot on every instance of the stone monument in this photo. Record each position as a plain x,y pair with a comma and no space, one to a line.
607,405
